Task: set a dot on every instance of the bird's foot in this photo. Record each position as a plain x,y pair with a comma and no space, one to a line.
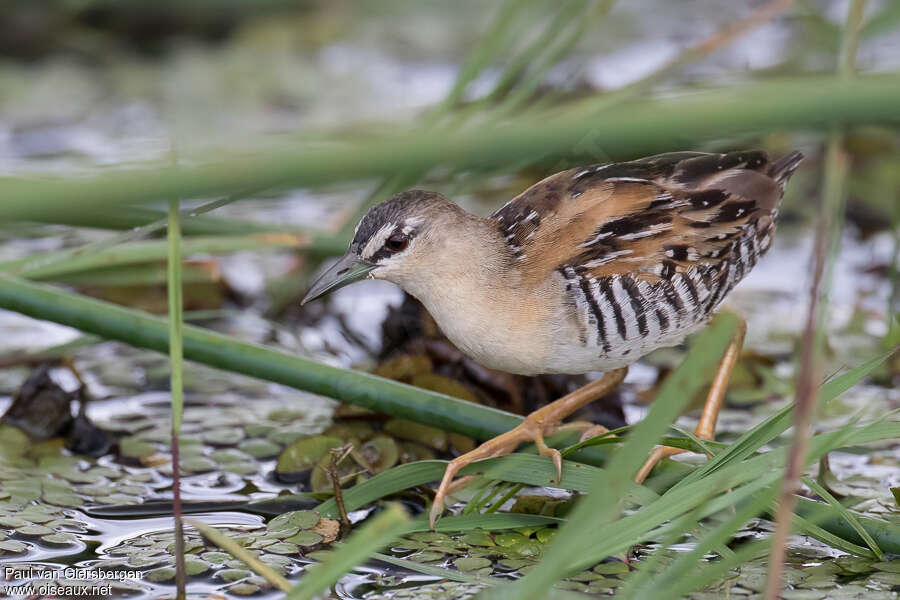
532,429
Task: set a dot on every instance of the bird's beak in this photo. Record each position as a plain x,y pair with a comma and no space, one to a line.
344,272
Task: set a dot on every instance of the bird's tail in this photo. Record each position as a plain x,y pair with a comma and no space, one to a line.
782,169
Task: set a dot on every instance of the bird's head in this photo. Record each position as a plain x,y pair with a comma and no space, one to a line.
397,240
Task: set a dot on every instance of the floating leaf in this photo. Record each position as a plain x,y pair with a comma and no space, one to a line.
197,464
243,588
141,560
195,566
381,453
471,564
62,499
320,479
305,538
413,452
35,530
13,546
477,538
233,574
509,538
430,437
225,436
404,367
283,548
613,567
216,557
241,468
9,521
259,448
351,431
303,455
161,574
59,538
135,447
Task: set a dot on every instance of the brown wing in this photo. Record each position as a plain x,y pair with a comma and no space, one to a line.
651,217
647,248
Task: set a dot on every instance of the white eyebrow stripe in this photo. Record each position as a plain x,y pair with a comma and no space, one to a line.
377,240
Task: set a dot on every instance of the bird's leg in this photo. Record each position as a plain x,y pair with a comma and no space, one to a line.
536,425
706,427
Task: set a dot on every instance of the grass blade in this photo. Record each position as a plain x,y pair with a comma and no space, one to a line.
607,489
53,264
516,468
845,512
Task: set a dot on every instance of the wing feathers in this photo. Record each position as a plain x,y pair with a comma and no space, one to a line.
651,218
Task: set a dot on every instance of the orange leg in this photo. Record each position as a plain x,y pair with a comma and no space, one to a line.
706,427
541,422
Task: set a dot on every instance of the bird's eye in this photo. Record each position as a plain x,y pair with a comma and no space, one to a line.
396,242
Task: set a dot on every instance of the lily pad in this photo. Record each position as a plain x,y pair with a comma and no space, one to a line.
161,574
243,589
430,437
216,557
509,538
301,519
233,574
471,564
62,499
351,431
297,459
260,448
198,464
195,566
10,521
320,479
59,538
225,436
35,530
282,548
142,560
443,385
613,567
426,556
477,538
404,367
305,538
135,447
12,546
381,453
412,452
241,468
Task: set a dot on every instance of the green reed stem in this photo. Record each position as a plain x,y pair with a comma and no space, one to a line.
176,384
642,126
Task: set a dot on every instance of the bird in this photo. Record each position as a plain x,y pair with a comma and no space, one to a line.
585,271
